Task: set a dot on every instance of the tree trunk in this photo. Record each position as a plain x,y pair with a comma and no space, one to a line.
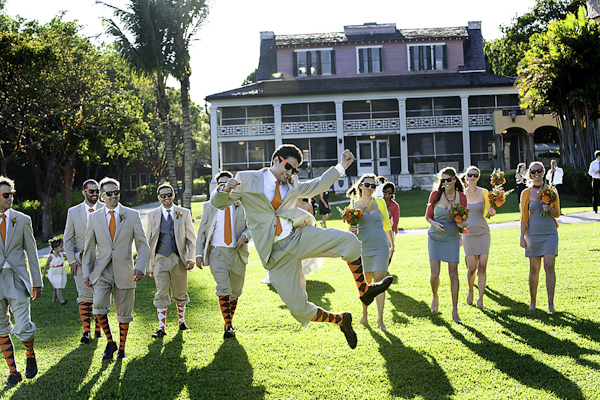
187,142
169,150
67,182
43,183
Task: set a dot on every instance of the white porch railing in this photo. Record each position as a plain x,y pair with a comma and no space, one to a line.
246,130
430,122
308,127
371,124
480,119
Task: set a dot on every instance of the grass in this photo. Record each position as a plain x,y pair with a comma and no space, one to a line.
503,351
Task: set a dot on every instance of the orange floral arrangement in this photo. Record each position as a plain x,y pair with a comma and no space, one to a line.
547,196
351,215
497,197
497,178
459,214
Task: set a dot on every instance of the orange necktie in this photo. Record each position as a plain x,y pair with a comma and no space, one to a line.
91,210
3,228
227,226
276,202
112,225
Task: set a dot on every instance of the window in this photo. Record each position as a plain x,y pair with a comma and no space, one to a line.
427,57
314,62
371,109
143,181
433,106
439,148
133,182
319,155
305,112
369,59
247,115
242,155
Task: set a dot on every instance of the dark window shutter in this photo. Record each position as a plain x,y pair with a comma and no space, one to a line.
380,59
445,52
370,60
332,62
319,68
411,54
427,50
308,63
361,59
295,63
421,66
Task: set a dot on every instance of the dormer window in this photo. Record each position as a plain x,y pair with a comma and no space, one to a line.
369,59
314,62
427,57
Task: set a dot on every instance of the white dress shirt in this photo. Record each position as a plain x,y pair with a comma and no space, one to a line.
116,214
218,236
558,176
87,209
595,169
269,188
8,226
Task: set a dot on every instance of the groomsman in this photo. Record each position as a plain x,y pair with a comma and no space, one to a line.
172,241
108,262
223,244
74,241
19,280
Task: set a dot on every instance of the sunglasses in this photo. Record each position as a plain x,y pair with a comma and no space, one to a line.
473,175
7,195
165,195
447,180
92,191
536,171
288,166
386,192
370,185
112,193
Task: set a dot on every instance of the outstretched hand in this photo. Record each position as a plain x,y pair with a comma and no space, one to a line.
346,158
230,185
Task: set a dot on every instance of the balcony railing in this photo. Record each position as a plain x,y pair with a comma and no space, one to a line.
308,127
371,124
480,119
246,130
433,122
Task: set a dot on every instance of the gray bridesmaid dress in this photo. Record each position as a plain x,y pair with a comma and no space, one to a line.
477,242
541,235
375,243
443,246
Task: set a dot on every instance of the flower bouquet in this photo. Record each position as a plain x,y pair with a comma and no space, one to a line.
459,214
547,196
497,197
351,215
497,178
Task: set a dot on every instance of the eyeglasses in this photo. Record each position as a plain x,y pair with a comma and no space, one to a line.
370,185
386,192
112,193
446,180
7,195
288,166
92,191
473,175
536,171
165,195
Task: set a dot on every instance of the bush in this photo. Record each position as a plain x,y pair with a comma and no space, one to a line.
201,185
59,208
146,194
577,184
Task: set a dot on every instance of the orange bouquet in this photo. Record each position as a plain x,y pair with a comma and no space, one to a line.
547,196
459,214
497,197
351,215
497,178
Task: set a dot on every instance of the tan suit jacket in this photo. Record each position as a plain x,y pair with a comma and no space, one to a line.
100,250
207,228
74,236
185,235
20,242
260,214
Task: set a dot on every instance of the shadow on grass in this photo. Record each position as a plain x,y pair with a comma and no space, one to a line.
317,293
523,368
404,306
229,375
412,374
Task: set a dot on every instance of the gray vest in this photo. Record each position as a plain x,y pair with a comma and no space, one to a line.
166,239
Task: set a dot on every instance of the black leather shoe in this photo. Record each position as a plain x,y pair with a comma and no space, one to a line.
183,327
376,289
31,369
110,349
97,335
159,333
13,379
121,354
346,327
229,333
65,301
85,338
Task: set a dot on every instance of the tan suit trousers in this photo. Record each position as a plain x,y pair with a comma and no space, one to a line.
170,271
123,298
285,263
85,294
14,296
228,270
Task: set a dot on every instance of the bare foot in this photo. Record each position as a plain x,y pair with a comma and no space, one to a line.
551,308
364,320
322,224
381,325
434,305
480,303
455,317
470,297
531,306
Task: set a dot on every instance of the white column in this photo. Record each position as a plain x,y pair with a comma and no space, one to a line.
277,115
215,160
466,135
403,136
339,119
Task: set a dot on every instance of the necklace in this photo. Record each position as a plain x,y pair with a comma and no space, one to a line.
536,187
370,204
449,200
474,196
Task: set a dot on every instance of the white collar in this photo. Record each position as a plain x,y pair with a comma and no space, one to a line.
116,209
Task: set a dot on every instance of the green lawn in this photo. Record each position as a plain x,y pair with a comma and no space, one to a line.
502,352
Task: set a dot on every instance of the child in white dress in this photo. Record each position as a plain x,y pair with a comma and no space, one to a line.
56,269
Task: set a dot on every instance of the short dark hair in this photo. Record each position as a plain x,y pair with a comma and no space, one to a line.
597,153
389,185
7,181
222,174
287,150
165,186
55,242
89,182
381,179
108,181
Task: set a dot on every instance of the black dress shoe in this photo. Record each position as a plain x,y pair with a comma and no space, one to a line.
62,303
346,327
159,333
121,354
31,369
183,327
110,349
97,335
229,333
13,379
376,289
85,338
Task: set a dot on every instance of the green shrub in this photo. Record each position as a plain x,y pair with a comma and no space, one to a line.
58,207
146,194
577,184
200,185
32,208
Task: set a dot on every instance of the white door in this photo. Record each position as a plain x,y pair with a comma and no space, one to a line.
373,157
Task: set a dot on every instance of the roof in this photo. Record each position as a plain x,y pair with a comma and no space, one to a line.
394,83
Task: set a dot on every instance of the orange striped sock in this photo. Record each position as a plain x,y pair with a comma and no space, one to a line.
103,321
8,351
326,316
123,329
226,310
85,313
359,277
233,305
162,318
98,327
181,313
29,348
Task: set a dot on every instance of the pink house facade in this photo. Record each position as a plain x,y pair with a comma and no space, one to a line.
406,102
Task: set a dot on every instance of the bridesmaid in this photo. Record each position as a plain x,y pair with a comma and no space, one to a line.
477,243
443,242
375,233
521,178
539,235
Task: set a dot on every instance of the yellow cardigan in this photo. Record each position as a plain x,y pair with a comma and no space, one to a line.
525,207
383,210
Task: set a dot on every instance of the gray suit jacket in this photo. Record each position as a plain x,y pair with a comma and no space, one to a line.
74,236
260,214
185,235
207,228
100,250
20,241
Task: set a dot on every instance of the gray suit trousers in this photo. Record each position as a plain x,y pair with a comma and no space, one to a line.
13,295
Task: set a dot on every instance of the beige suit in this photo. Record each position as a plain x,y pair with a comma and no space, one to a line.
227,265
19,276
172,273
74,242
109,264
284,258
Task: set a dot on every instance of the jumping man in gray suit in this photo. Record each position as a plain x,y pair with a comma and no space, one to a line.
269,199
